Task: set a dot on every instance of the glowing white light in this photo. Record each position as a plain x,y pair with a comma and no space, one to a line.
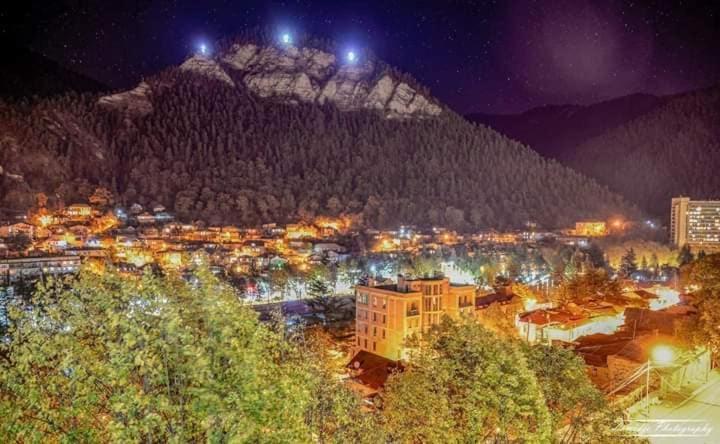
203,48
351,56
286,38
663,355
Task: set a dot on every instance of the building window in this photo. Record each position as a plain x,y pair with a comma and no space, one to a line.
358,339
374,346
374,331
363,298
374,317
366,343
384,303
383,319
383,333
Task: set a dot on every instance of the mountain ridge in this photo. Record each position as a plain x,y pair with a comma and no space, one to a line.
207,148
553,130
627,143
301,74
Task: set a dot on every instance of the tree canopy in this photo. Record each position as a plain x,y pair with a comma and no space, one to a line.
466,385
107,357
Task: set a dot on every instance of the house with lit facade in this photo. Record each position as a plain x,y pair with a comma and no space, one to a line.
387,315
591,228
569,323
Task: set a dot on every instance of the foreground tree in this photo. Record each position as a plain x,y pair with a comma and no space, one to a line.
704,276
110,358
579,411
465,385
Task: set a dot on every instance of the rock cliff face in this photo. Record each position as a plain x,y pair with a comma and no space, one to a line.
136,101
296,75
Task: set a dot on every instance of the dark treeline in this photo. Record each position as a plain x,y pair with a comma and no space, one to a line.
222,154
671,151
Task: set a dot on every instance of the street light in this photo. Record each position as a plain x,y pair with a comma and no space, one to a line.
662,356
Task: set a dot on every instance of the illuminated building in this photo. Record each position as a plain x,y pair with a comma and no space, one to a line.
32,267
386,315
695,223
591,228
298,231
17,229
78,211
569,323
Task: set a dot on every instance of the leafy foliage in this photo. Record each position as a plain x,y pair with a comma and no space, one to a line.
480,388
155,360
704,274
579,411
594,284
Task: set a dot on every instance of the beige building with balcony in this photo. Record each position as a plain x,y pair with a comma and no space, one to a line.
387,315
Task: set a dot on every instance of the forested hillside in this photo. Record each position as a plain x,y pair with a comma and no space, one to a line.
556,130
671,151
221,153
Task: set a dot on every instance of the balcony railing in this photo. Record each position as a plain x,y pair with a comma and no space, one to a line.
413,312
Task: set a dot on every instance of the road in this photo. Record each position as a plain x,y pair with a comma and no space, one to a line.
695,421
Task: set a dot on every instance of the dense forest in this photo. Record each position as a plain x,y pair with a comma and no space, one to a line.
646,148
671,151
556,130
222,154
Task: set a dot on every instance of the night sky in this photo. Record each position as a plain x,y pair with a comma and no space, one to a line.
486,56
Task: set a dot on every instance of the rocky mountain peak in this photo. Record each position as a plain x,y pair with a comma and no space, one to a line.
299,75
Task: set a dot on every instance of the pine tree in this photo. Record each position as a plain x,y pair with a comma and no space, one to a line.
628,263
685,255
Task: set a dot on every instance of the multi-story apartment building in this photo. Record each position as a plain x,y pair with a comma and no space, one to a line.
695,223
32,267
386,315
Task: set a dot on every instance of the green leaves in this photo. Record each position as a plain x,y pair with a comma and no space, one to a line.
109,357
466,385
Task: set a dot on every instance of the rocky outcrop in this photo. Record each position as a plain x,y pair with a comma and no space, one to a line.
314,76
136,101
295,75
207,67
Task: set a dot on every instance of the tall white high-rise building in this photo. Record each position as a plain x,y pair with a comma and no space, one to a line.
695,223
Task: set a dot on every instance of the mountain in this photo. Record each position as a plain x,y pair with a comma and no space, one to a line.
260,132
26,73
670,151
556,130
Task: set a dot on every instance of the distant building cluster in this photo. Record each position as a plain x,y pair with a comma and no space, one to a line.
46,242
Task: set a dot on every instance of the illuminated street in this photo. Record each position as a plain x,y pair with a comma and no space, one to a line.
702,412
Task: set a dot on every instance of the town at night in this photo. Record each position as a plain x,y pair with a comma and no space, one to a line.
377,222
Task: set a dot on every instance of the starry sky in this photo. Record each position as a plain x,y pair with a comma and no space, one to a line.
477,56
